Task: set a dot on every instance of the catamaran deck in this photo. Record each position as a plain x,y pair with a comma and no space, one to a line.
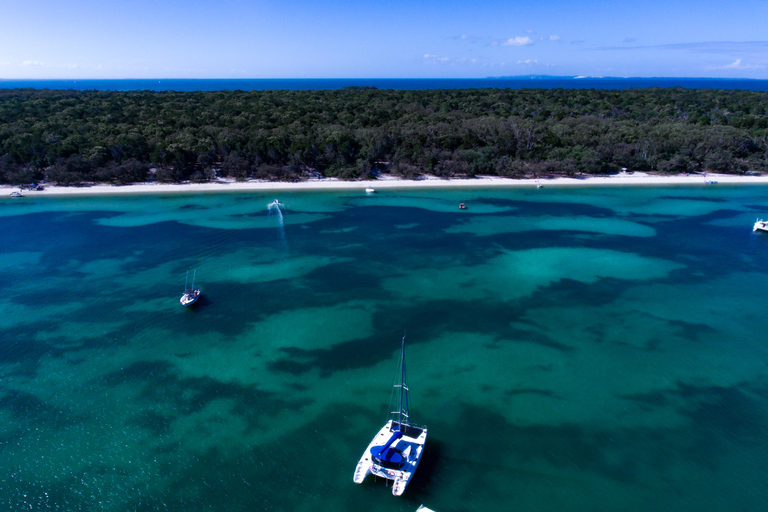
410,445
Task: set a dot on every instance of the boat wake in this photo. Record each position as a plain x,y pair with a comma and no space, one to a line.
274,206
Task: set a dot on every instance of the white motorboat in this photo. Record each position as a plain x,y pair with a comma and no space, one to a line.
396,449
190,294
369,190
17,194
760,225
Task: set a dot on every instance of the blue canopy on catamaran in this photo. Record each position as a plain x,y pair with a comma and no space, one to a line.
386,452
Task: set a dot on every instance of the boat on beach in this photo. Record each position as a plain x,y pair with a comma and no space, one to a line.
396,449
190,294
760,225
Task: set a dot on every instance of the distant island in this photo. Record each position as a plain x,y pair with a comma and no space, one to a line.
76,137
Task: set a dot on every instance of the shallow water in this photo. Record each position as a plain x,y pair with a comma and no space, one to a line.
569,350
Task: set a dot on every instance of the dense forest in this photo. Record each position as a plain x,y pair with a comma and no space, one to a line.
76,137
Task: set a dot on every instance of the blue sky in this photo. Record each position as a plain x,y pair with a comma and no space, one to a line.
386,39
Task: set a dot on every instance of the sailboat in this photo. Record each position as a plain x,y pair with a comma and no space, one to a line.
395,451
190,295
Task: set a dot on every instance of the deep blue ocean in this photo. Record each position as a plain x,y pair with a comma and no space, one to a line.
569,349
247,84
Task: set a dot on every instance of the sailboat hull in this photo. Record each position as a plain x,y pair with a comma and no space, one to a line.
409,446
189,297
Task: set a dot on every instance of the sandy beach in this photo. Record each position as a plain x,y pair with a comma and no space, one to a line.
225,185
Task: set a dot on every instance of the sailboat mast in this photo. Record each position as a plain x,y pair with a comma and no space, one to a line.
404,407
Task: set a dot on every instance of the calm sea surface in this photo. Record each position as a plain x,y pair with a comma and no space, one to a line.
569,350
247,84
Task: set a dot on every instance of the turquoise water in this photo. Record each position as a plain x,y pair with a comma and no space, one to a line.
569,349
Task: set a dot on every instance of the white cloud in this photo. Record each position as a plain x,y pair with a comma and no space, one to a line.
554,38
435,58
737,64
750,48
42,64
439,59
528,61
515,41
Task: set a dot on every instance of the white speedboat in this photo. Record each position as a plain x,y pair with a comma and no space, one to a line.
17,194
191,294
396,449
760,225
369,190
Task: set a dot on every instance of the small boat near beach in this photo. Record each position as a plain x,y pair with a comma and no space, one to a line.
396,449
17,194
760,225
369,190
191,294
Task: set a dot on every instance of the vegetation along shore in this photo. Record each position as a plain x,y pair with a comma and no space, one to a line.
81,137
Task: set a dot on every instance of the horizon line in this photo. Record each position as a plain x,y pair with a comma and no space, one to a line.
501,77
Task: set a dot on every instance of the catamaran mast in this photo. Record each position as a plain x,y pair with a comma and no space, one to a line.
404,411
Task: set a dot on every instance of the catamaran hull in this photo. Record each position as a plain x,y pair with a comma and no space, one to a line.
411,447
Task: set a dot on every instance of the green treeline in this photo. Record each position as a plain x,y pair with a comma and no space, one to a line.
72,137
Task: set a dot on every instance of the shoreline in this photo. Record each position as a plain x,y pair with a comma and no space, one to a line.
223,185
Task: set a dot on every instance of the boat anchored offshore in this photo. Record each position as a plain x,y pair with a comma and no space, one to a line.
190,295
395,451
760,225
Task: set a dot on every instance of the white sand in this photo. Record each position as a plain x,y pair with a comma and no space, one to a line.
634,179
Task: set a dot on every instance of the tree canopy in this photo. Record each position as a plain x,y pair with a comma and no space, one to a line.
73,137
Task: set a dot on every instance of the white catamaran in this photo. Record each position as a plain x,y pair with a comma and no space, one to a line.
395,451
190,295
